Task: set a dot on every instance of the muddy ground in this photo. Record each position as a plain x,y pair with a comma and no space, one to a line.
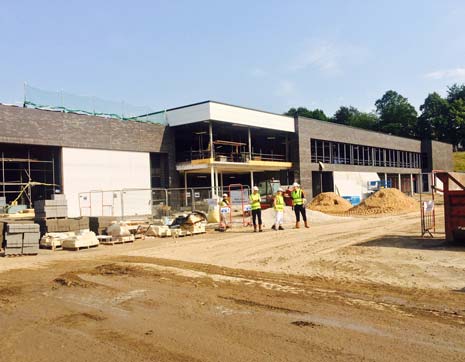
344,290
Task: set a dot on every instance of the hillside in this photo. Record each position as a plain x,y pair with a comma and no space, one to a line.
459,161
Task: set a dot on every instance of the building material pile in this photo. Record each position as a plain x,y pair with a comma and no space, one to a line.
330,202
56,207
21,238
56,225
385,201
81,240
55,240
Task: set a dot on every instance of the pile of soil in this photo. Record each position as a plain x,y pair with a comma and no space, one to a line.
385,201
329,202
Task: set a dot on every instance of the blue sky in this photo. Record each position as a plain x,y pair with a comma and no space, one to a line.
270,55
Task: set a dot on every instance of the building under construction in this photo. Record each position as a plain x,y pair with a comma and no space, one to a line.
204,144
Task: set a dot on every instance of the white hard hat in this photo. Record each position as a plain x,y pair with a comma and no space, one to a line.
255,188
281,189
295,184
225,195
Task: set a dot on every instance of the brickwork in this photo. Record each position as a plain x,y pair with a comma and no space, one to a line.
38,127
440,153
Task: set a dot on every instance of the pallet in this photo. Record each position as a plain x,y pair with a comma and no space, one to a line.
80,248
117,240
50,247
17,255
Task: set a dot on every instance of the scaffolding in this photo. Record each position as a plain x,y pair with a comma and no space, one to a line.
23,170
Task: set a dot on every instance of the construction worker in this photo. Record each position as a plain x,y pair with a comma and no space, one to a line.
298,203
278,205
256,209
224,211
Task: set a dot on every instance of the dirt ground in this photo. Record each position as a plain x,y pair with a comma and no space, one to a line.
347,289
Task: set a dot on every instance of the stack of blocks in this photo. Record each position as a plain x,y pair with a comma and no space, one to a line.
56,207
22,239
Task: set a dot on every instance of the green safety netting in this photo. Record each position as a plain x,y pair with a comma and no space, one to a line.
66,102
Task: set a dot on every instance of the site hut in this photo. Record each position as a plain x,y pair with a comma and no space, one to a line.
218,145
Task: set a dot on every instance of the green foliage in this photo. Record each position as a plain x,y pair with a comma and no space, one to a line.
304,112
396,115
433,123
459,161
455,92
441,119
364,120
351,116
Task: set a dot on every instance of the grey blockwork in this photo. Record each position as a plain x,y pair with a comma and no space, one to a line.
57,197
14,240
22,228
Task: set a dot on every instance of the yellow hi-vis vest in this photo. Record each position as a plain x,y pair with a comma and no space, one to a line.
279,203
255,201
297,197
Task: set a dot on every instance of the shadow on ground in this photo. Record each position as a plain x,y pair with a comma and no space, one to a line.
414,242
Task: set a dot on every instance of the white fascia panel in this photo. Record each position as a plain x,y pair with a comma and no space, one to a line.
250,117
189,114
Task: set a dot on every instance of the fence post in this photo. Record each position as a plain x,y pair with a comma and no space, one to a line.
122,204
193,200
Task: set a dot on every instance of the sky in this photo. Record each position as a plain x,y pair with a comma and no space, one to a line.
269,55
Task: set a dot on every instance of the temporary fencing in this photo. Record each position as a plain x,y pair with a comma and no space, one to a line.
157,202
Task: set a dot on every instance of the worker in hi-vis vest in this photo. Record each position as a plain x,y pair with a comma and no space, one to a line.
256,209
278,205
298,197
225,209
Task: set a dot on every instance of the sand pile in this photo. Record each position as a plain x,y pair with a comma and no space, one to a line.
329,202
385,201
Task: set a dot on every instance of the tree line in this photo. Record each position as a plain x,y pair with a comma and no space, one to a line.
440,119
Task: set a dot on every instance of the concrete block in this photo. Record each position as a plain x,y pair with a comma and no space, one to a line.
31,238
21,228
14,239
58,197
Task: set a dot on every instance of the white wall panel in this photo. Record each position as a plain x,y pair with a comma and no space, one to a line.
87,170
353,183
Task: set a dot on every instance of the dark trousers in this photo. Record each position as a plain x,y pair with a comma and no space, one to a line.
257,214
300,209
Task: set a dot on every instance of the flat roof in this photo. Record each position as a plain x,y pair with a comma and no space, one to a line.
223,112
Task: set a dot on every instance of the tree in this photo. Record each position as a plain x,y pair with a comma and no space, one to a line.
396,115
351,116
304,112
455,92
364,120
434,121
457,120
343,115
